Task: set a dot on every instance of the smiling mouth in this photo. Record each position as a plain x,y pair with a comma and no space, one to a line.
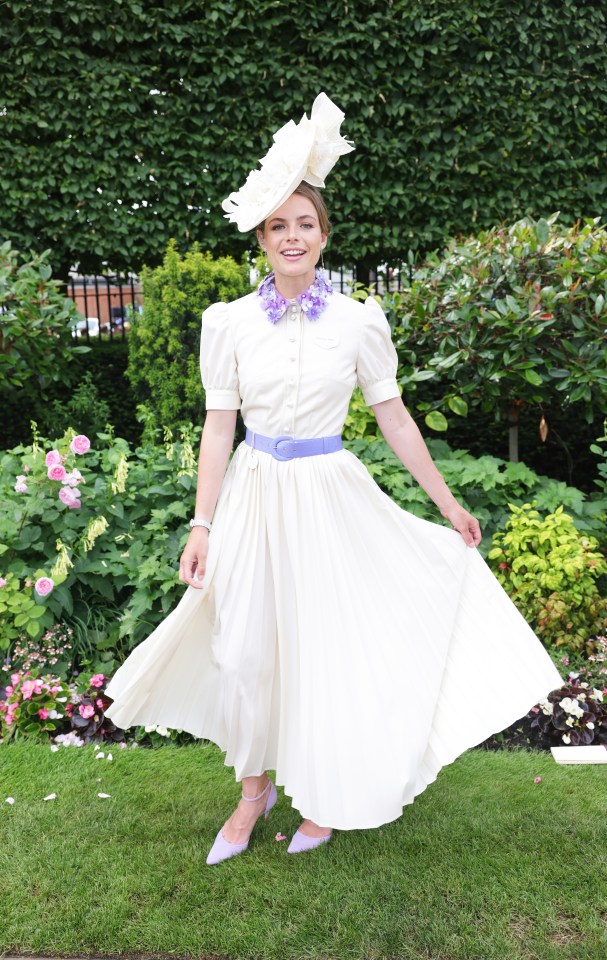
292,254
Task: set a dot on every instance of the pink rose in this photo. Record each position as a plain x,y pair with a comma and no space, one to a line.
56,471
20,486
97,680
86,710
52,457
73,478
69,496
80,444
43,586
3,582
43,713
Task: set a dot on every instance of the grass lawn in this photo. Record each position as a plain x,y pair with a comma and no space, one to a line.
485,864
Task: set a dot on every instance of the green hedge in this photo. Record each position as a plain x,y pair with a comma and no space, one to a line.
127,124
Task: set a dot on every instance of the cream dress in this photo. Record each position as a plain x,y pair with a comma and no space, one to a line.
340,641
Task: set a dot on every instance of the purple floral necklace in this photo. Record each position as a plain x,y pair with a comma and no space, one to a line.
312,301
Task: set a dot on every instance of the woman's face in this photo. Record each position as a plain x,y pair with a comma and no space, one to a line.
292,240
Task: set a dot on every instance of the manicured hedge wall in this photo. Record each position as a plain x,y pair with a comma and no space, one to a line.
125,124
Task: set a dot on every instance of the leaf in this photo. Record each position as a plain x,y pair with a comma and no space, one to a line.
542,231
532,377
436,421
459,406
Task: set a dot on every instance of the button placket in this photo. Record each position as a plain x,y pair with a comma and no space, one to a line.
292,370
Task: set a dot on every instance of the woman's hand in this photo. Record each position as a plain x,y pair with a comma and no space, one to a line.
465,524
193,562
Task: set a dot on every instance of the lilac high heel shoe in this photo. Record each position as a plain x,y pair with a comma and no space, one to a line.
301,843
223,849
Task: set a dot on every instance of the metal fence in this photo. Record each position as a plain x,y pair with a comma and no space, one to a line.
108,303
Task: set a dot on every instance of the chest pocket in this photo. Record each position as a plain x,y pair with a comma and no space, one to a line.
325,357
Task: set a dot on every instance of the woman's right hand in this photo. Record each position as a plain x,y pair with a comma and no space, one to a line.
193,562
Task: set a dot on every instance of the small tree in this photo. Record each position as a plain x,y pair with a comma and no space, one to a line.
165,340
512,319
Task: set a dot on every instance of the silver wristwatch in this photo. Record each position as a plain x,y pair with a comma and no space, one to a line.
200,523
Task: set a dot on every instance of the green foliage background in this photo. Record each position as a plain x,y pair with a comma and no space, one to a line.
125,124
164,343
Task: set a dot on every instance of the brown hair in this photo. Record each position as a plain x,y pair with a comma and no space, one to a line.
314,195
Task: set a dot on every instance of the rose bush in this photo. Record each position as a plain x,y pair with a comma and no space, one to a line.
91,535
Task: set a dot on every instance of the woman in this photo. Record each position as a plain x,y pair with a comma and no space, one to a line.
327,634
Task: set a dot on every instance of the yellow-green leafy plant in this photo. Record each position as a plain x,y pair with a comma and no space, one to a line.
550,570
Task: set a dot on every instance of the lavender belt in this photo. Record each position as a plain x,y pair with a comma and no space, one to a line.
286,448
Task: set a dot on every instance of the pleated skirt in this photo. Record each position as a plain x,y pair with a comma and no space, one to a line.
343,643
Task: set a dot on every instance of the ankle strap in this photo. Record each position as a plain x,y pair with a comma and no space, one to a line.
265,789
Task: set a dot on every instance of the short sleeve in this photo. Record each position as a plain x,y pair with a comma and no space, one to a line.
377,359
218,367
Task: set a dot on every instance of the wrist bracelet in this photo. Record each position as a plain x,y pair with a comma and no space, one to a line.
200,523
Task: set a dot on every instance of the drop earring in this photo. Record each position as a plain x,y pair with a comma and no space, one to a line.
322,262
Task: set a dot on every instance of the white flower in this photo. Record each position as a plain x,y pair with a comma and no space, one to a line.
566,704
150,728
573,675
547,707
597,695
584,686
566,738
61,699
590,725
569,721
69,739
162,731
53,715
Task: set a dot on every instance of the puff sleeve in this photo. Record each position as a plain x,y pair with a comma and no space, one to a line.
218,367
377,360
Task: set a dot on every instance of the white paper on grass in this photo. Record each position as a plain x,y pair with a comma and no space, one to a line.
594,753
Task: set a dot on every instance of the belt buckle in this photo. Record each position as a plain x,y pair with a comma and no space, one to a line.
275,451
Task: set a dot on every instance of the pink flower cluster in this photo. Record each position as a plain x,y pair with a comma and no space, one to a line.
24,687
69,493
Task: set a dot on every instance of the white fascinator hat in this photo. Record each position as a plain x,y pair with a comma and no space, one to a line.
307,150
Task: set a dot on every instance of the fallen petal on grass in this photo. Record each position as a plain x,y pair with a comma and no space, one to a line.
10,800
104,796
51,796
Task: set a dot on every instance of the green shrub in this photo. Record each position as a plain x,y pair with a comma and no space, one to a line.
164,342
36,321
484,485
510,320
550,571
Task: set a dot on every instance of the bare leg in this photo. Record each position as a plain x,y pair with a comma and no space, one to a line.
238,828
